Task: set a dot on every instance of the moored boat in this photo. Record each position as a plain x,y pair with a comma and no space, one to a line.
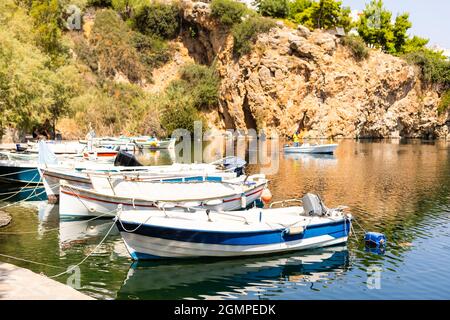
312,148
196,192
204,233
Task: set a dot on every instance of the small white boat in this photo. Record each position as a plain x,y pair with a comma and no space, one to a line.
204,233
194,192
153,143
52,175
311,148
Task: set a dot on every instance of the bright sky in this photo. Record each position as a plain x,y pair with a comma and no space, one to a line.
430,18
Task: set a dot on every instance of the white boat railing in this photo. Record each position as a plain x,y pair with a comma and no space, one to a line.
284,202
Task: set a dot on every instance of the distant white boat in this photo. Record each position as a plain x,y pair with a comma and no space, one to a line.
311,148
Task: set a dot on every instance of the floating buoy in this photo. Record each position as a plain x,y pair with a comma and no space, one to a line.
375,238
266,196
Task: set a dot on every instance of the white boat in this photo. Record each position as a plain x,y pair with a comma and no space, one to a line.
52,175
311,148
153,143
193,192
204,233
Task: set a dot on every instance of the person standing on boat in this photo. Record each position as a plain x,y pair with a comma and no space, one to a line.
295,137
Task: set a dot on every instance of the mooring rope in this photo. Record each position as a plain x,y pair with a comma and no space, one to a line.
21,189
85,258
57,228
29,261
12,173
32,194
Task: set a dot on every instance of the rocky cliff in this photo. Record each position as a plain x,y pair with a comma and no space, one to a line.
296,79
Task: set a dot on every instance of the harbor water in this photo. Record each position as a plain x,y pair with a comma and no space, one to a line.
399,188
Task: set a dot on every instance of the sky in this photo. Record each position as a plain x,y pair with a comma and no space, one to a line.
430,18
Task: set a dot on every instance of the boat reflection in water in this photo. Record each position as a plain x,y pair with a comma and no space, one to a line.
232,278
325,159
74,231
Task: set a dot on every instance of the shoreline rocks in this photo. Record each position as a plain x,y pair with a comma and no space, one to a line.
5,219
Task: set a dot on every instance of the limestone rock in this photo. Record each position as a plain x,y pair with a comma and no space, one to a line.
297,79
5,219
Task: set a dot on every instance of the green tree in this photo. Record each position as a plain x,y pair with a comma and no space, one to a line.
127,8
202,83
415,44
400,28
228,12
178,111
298,6
158,19
64,84
325,14
273,8
47,21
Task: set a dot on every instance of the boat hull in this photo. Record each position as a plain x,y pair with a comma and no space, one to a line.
10,173
155,242
82,202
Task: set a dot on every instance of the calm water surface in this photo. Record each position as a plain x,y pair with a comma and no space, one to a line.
399,188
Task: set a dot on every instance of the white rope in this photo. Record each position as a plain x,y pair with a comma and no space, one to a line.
12,173
21,189
32,194
29,261
85,258
57,228
140,225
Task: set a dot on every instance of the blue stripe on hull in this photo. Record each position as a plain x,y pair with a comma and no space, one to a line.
334,229
19,174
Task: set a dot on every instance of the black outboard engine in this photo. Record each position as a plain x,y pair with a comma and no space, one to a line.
126,159
235,164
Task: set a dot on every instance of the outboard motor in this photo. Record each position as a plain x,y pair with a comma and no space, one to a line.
126,159
313,206
235,163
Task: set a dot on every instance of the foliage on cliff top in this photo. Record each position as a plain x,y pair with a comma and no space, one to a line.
445,102
324,14
228,12
111,40
246,33
158,19
434,66
357,46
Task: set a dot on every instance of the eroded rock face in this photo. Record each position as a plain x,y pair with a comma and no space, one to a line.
301,80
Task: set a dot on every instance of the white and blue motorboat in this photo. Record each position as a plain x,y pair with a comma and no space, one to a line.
205,233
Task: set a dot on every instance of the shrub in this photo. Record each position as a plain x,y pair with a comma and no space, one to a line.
111,42
228,12
99,3
357,46
246,32
158,19
445,102
434,66
178,111
273,8
153,51
202,83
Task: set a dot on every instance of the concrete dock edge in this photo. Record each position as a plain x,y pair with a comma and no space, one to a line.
22,284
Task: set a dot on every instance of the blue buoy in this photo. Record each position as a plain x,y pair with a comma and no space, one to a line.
375,238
